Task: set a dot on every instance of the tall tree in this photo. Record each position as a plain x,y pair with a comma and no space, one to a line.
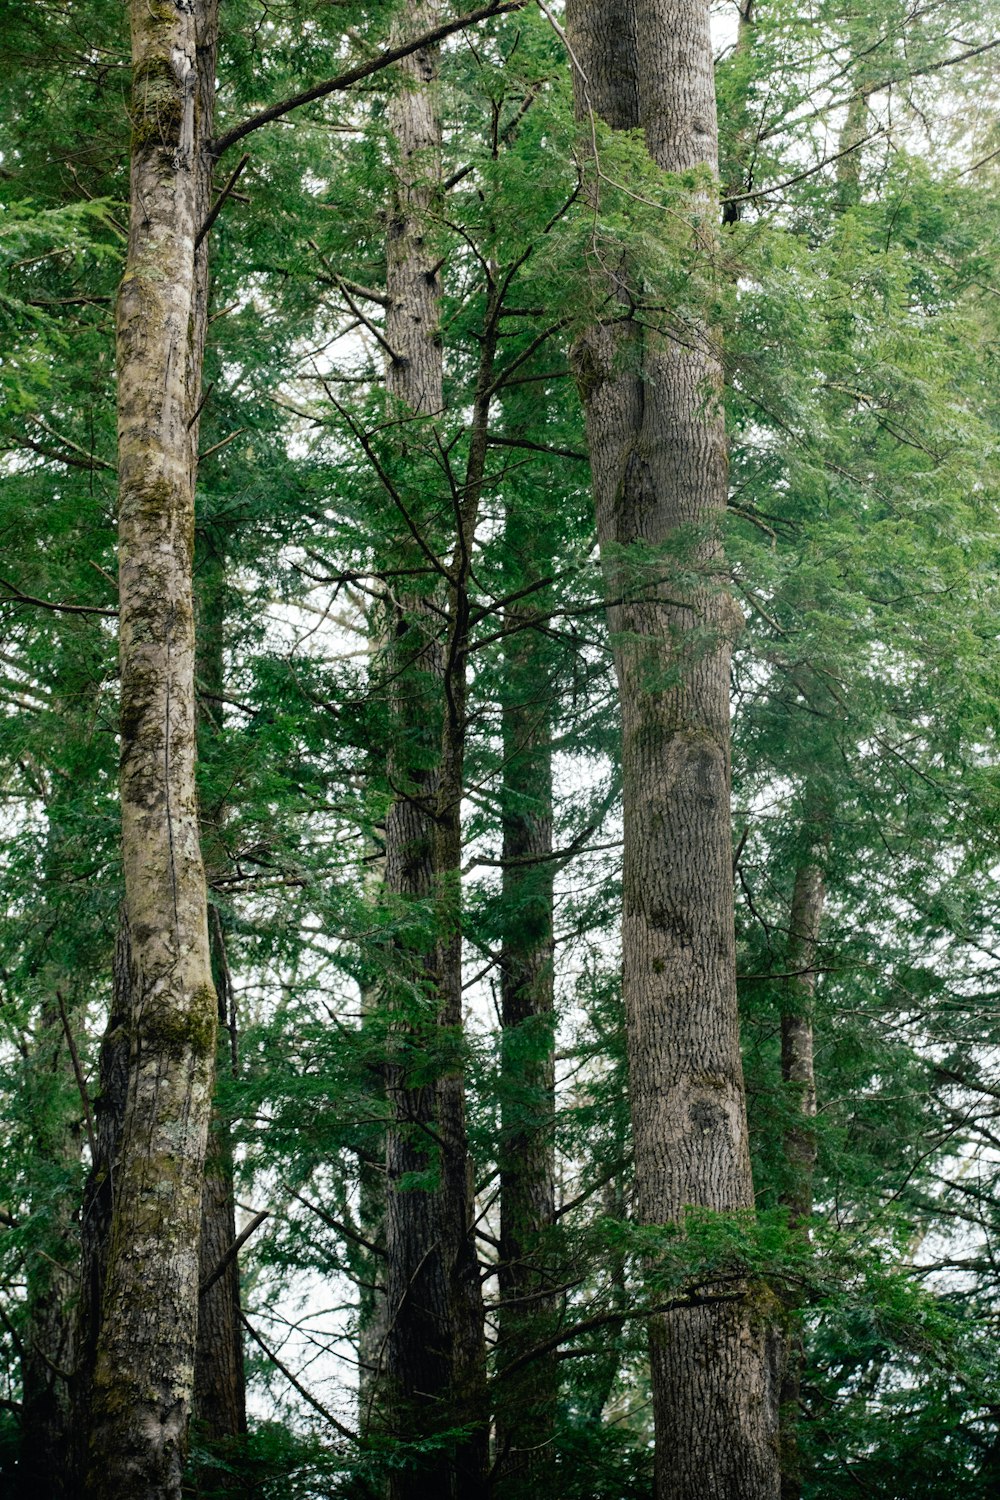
142,1384
526,1413
652,399
220,1380
434,1344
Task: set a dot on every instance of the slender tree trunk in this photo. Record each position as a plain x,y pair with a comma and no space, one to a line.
46,1449
219,1377
658,453
54,1123
797,1070
434,1356
798,1076
220,1383
738,178
373,1317
526,1410
144,1372
97,1213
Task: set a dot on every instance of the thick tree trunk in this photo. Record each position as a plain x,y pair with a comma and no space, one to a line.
144,1372
434,1357
658,453
798,1076
526,1410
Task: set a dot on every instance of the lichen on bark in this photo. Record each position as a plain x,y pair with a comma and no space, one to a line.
144,1355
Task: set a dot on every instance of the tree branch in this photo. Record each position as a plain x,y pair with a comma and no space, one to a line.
216,208
233,1251
296,1385
504,442
60,609
809,171
360,72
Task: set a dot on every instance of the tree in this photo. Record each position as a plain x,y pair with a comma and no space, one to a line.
652,398
405,643
141,1390
435,1359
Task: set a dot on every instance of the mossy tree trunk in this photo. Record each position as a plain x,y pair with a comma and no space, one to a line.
144,1368
658,450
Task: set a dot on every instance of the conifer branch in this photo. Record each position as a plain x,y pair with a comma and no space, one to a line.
18,596
360,72
307,1396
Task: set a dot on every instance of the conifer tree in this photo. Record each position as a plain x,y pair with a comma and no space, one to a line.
658,454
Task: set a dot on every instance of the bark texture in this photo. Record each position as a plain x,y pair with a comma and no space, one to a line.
799,1078
219,1376
46,1443
434,1355
658,453
220,1383
525,1419
98,1198
144,1369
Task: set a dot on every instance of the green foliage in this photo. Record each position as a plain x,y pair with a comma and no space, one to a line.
857,313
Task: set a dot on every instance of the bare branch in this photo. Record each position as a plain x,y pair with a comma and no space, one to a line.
17,595
233,1251
227,191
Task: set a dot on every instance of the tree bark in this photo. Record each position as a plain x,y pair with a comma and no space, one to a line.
737,179
658,452
434,1354
798,1076
46,1445
219,1383
97,1213
144,1371
219,1375
525,1420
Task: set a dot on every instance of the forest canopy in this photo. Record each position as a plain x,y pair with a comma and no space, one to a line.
499,765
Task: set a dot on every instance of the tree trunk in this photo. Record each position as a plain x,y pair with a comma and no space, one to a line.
658,453
737,179
46,1444
143,1378
434,1356
526,1410
219,1376
96,1217
798,1076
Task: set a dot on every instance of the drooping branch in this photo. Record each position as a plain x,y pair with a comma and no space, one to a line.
296,1384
